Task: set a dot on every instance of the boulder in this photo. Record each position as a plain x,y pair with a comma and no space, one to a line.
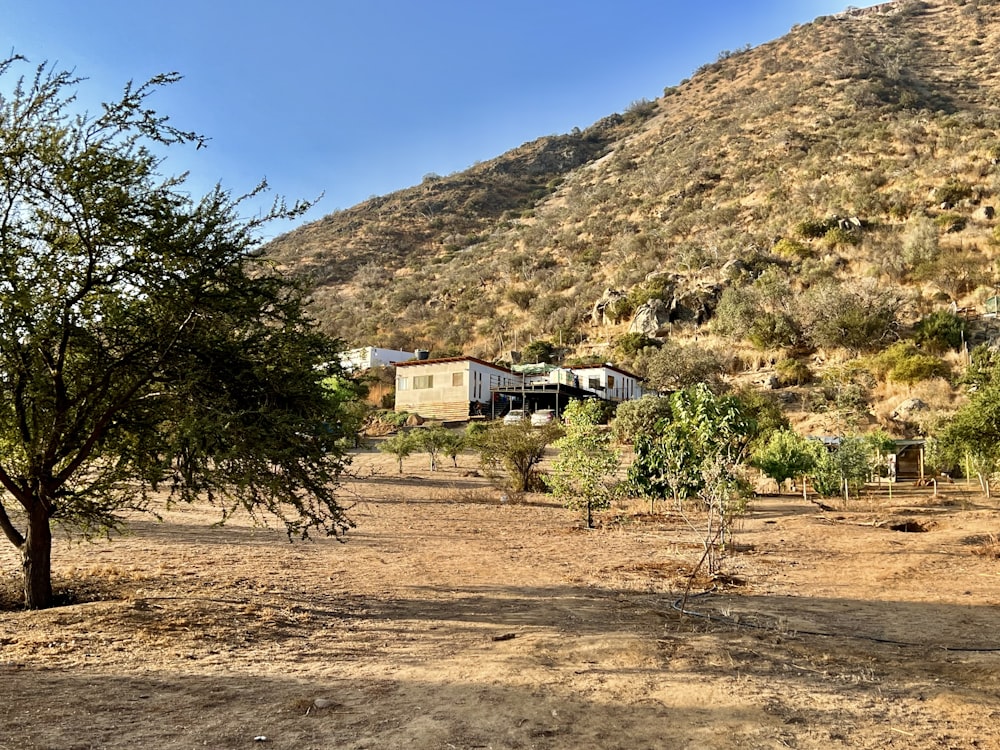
907,409
652,317
601,314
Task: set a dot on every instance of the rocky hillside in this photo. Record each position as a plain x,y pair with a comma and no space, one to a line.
850,166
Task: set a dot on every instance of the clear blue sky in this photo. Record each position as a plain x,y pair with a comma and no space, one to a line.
361,98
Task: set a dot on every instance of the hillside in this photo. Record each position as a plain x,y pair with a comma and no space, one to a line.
853,163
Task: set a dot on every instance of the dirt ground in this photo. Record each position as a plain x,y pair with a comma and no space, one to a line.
451,620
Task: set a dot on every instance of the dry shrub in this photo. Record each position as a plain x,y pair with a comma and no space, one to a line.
988,546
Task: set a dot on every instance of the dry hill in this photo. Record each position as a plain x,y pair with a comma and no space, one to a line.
851,165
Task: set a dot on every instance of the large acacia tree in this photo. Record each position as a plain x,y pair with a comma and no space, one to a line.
145,342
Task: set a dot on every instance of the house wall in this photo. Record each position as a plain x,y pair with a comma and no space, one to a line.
444,389
609,383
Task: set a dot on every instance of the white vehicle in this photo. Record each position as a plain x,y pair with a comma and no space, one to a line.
514,416
542,417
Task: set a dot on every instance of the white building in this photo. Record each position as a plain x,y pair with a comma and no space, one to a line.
609,382
449,388
367,357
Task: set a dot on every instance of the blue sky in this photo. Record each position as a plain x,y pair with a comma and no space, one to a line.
355,99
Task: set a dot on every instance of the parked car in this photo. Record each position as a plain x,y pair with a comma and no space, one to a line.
542,417
514,416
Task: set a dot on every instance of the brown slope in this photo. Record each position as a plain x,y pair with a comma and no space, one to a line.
876,114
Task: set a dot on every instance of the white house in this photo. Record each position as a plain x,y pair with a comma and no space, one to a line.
609,382
450,387
367,357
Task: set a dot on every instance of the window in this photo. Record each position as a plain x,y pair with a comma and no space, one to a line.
402,384
611,382
423,381
458,379
594,384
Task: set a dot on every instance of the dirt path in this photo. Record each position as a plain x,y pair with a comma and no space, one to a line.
450,620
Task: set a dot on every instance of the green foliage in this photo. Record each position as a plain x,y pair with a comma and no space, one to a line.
400,445
972,436
585,412
583,475
983,369
811,229
514,451
540,350
939,332
858,317
772,330
835,237
675,365
793,372
763,313
702,425
639,417
855,461
787,455
696,455
630,344
764,415
521,296
791,248
904,363
144,341
952,192
347,397
950,222
436,440
921,247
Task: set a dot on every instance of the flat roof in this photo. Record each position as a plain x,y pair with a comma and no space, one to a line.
444,360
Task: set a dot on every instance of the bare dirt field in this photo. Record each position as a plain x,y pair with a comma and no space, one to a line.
451,620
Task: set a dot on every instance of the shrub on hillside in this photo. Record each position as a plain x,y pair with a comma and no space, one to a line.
628,345
858,317
904,363
939,332
793,372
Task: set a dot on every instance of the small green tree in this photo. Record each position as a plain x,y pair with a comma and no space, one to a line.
515,450
453,444
433,441
583,474
972,437
850,465
786,455
539,350
400,445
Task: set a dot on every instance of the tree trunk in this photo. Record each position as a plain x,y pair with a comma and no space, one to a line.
36,559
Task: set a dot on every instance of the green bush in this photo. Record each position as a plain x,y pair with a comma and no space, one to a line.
939,332
839,237
952,192
951,222
639,417
771,330
630,344
904,363
793,372
811,229
521,297
789,248
540,351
